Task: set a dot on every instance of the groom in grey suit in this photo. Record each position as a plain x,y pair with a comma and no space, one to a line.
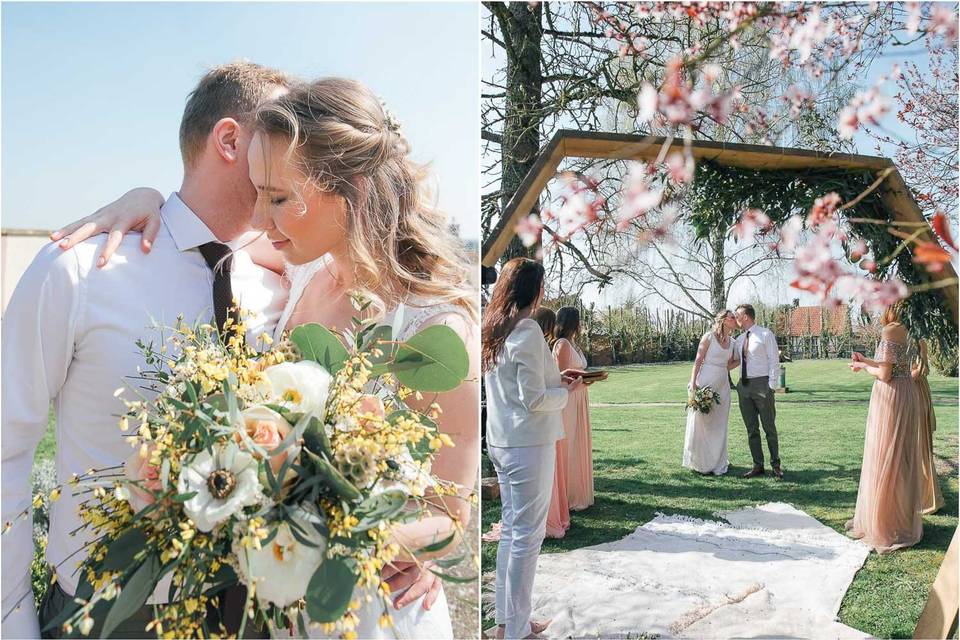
759,367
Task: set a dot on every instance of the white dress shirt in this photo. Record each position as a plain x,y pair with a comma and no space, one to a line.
763,354
524,393
69,337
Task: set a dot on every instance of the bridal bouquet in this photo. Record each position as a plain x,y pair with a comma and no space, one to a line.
282,471
703,399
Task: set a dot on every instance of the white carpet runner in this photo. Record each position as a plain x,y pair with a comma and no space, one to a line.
772,572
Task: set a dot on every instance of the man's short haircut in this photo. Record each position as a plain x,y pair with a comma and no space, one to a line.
232,90
748,309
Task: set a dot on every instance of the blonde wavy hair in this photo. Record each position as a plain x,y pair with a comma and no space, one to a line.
345,142
718,320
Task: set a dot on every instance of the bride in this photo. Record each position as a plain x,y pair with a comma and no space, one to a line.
705,443
342,210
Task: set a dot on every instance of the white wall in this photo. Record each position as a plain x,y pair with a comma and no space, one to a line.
17,250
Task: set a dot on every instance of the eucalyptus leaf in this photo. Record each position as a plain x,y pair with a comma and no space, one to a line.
330,590
319,344
378,508
134,593
315,438
433,360
437,546
122,550
333,479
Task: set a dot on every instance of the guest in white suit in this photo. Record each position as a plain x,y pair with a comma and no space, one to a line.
526,394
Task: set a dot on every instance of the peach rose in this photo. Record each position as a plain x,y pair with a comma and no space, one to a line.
143,476
267,429
367,406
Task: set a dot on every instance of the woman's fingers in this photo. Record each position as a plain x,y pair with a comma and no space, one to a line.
422,585
67,230
110,246
77,236
432,595
150,232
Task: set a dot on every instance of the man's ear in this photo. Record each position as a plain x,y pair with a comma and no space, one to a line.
226,139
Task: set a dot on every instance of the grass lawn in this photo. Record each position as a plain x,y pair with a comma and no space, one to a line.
637,452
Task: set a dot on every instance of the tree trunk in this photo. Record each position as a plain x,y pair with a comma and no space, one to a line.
521,131
718,292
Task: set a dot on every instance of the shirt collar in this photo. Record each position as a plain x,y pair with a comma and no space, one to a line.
188,231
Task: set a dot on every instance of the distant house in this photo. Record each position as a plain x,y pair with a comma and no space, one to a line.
814,332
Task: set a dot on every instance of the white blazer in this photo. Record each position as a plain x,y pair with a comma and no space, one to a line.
525,396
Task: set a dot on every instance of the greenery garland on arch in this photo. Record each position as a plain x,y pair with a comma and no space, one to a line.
719,194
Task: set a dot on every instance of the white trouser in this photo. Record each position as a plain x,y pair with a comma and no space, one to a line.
525,475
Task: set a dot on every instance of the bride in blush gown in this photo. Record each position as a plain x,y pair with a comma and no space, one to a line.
705,442
344,214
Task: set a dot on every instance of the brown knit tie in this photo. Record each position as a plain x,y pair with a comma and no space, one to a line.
219,259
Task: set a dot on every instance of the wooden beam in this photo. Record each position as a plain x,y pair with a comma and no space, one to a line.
523,200
899,201
587,144
939,617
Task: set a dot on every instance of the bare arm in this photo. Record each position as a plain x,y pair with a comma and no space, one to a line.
698,361
136,210
459,420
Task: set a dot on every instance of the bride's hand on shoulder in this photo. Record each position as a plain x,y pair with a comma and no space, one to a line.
136,210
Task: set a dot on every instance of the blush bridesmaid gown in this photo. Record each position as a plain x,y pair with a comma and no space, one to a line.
576,427
932,500
558,517
887,515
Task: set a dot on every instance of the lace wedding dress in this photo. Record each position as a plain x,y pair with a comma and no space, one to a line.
705,443
412,622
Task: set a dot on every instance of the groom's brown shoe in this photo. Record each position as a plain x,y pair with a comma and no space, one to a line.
777,471
753,473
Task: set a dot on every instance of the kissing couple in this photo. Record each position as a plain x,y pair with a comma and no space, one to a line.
296,198
755,353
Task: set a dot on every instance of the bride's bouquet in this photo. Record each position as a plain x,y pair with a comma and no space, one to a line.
283,471
703,399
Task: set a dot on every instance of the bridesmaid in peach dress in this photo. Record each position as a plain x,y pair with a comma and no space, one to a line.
887,515
932,499
576,415
558,517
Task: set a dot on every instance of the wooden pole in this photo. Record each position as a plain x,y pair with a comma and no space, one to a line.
939,617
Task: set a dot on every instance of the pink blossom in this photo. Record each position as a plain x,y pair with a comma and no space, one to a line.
750,222
858,249
797,98
790,233
529,229
943,20
913,18
638,196
823,209
867,107
680,167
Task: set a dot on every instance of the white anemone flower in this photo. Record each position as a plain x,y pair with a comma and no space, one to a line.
283,568
225,482
302,386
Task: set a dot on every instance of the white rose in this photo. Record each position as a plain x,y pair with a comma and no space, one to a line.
283,568
225,483
302,386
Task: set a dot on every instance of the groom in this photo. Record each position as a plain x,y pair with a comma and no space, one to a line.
70,328
759,367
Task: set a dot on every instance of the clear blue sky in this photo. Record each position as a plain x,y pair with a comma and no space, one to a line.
93,92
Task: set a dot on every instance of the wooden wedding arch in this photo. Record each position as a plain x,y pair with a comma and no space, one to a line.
939,616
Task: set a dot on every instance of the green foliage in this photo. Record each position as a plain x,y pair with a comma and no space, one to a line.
317,343
719,194
330,590
434,360
944,361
